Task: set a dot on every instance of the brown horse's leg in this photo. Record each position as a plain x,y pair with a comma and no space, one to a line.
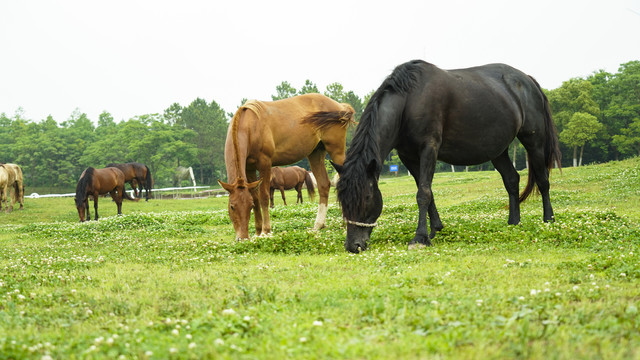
299,190
284,200
316,160
257,209
263,196
95,204
271,191
116,195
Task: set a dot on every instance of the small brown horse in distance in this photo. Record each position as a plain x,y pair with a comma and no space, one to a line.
95,182
265,134
15,182
292,177
136,174
4,180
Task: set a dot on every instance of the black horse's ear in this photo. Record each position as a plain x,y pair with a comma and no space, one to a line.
338,168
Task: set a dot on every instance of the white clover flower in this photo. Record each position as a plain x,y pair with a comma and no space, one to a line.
218,342
303,339
317,323
175,332
247,318
188,336
623,275
173,350
148,353
228,312
192,345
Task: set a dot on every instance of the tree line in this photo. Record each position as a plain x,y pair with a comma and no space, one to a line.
597,117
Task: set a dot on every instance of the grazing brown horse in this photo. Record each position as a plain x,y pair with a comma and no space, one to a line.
95,182
136,174
4,180
15,182
292,177
266,134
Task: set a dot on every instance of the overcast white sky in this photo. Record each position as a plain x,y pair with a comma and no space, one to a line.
133,57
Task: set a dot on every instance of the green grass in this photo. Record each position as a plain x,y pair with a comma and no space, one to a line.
167,280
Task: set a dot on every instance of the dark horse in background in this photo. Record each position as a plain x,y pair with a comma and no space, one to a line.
462,117
291,177
136,174
95,182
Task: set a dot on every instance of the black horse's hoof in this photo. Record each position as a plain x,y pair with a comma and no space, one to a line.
419,241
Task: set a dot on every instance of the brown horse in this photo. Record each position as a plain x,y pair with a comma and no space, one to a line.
4,181
292,177
136,174
95,182
265,134
15,182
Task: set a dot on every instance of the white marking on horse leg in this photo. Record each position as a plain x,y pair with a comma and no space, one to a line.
321,218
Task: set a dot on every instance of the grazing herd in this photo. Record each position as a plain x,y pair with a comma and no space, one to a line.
463,117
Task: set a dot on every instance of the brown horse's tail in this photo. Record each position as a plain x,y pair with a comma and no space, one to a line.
326,119
308,181
552,152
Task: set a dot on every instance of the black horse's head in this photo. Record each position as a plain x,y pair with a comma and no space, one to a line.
361,203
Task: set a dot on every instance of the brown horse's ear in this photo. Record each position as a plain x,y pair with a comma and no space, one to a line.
254,184
226,186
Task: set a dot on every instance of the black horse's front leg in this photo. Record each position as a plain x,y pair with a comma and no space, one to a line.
424,198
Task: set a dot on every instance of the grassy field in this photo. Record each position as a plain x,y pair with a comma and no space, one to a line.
167,280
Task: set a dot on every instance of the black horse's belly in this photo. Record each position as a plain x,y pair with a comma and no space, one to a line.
476,143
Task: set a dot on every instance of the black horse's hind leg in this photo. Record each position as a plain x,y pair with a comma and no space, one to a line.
541,175
511,180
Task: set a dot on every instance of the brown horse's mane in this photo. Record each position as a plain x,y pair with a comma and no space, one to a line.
255,106
83,183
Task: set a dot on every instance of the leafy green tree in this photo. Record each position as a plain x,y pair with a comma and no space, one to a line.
309,87
618,96
628,141
209,122
284,91
335,91
580,129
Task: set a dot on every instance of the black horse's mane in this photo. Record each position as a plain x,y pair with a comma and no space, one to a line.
83,183
364,149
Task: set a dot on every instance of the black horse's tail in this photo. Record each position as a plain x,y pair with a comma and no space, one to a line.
148,181
308,181
552,152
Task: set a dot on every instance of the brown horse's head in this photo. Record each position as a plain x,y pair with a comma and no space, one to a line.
240,204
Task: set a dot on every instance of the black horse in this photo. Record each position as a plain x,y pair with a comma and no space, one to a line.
463,117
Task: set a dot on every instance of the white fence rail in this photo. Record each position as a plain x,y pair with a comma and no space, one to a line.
174,189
